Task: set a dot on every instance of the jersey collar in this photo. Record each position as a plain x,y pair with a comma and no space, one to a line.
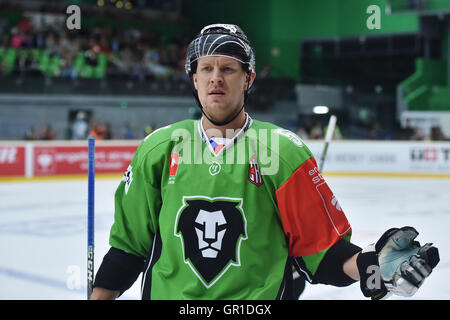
232,141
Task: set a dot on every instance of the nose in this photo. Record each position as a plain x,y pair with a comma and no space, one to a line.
216,77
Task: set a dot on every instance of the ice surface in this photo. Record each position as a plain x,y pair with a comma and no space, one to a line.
43,239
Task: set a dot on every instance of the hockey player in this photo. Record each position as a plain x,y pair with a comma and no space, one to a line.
222,207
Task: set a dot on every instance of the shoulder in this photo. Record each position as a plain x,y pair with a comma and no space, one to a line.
288,145
163,137
165,134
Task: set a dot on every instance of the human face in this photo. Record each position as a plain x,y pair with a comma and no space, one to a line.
220,83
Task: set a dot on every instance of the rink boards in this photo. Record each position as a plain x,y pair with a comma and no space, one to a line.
68,159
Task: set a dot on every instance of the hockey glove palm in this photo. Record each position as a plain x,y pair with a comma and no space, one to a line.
396,264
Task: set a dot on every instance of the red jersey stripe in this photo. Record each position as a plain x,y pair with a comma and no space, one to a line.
312,218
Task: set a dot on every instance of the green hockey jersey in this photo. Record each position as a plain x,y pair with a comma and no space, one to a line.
226,224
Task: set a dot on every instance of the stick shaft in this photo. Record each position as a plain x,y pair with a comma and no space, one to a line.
330,129
91,215
328,137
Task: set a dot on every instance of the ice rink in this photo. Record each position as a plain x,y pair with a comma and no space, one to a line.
43,236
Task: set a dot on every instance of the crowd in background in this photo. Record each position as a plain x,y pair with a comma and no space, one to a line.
137,53
81,128
84,126
316,130
46,133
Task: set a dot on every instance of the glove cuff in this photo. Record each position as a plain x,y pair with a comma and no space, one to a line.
370,282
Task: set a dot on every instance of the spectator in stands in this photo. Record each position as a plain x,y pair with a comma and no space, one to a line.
27,64
436,134
407,132
154,64
5,40
28,42
303,133
90,57
163,55
51,43
316,131
418,134
107,134
80,127
375,132
3,68
148,129
17,38
125,60
104,45
67,67
74,47
38,40
128,132
24,25
179,74
31,134
137,67
22,63
63,46
172,53
115,44
3,26
47,133
97,131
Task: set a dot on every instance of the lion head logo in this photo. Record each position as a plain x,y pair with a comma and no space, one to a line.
211,231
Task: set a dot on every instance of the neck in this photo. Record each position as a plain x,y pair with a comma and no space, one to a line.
227,131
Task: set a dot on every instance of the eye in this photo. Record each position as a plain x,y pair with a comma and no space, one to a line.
206,68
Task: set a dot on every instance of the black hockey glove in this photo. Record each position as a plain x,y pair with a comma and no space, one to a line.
396,264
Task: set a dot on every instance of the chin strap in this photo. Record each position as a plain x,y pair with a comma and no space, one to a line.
222,123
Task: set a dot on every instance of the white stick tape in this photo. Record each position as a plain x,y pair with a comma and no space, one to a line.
330,128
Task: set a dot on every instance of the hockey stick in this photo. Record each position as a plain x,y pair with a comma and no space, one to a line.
90,221
328,137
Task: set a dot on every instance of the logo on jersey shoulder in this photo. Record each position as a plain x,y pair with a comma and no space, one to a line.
211,231
128,178
291,136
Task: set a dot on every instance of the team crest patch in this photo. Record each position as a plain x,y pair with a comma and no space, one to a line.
254,173
174,161
211,231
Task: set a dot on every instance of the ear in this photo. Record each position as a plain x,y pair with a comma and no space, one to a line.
194,78
252,78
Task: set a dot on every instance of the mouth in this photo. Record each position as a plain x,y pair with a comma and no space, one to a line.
216,93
